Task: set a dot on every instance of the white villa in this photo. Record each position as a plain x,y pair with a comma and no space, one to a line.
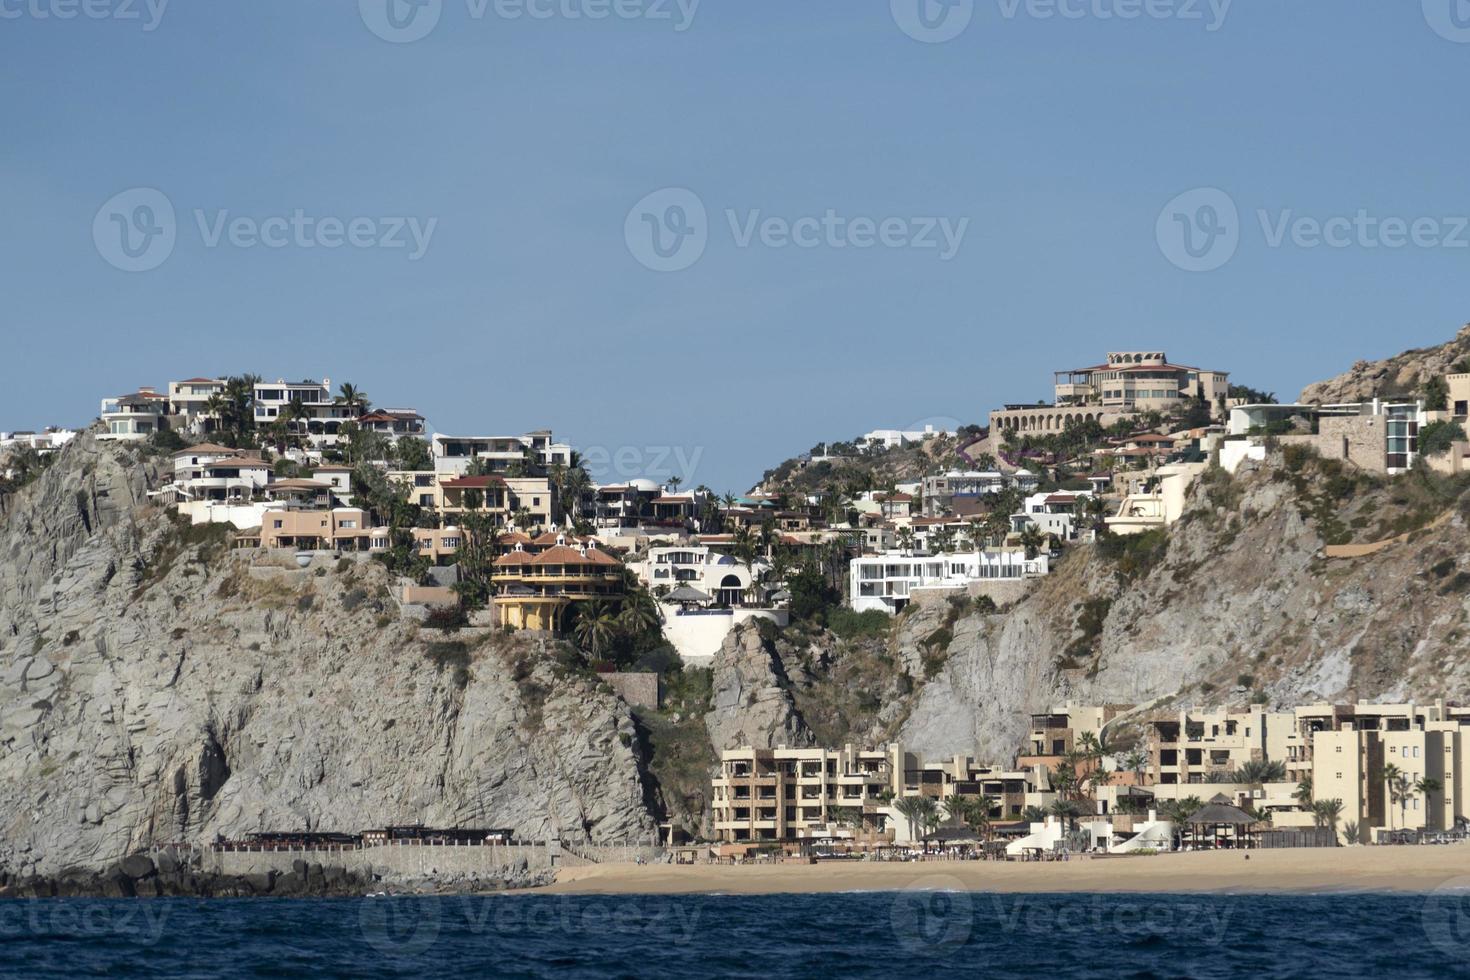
885,582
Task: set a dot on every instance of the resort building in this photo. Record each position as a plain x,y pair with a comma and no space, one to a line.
886,582
1205,747
533,591
788,794
1128,383
132,417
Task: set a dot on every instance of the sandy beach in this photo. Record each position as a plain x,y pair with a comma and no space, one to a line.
1402,869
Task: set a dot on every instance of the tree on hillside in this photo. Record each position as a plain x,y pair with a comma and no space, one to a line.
354,398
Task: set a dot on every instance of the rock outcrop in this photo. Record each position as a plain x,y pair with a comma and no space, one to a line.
1400,375
752,703
156,687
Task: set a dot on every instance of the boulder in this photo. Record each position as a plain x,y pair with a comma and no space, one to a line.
136,866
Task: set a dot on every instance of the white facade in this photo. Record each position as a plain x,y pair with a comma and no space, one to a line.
723,578
133,417
884,582
893,438
1054,513
188,400
454,454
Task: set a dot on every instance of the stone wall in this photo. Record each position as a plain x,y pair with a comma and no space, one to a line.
404,860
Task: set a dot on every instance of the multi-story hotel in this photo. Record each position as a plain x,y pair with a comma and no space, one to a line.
785,794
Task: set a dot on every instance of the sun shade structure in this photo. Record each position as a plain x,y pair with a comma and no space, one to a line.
687,593
1219,823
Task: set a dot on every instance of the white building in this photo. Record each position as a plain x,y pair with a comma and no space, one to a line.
1055,513
893,438
454,454
885,582
722,578
134,416
189,399
44,443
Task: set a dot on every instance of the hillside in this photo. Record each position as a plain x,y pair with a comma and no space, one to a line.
155,687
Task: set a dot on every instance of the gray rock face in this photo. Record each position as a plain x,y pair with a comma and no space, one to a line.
751,704
156,688
1241,607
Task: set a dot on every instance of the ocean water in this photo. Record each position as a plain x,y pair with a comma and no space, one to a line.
874,934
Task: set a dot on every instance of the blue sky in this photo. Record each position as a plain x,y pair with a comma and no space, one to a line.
1059,141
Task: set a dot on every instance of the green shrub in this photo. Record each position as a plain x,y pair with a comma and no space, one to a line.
851,625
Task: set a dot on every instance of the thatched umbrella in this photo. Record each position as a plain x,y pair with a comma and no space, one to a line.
1218,817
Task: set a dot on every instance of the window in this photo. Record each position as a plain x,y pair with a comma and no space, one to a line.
278,525
349,525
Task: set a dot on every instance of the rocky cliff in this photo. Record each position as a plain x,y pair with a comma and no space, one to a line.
155,687
1236,604
1402,374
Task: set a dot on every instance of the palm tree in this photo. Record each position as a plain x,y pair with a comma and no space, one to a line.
1099,778
1033,814
959,807
1350,831
1303,794
1136,761
1327,813
1425,786
1397,783
639,613
353,397
1068,811
1257,771
1064,777
917,810
1032,539
906,540
596,627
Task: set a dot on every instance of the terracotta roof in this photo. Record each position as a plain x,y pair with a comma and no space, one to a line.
199,381
514,558
562,555
298,485
1150,437
513,538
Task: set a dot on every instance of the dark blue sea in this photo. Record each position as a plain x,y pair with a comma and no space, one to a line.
903,934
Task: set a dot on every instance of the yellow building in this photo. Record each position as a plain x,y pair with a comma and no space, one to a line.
785,794
534,590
